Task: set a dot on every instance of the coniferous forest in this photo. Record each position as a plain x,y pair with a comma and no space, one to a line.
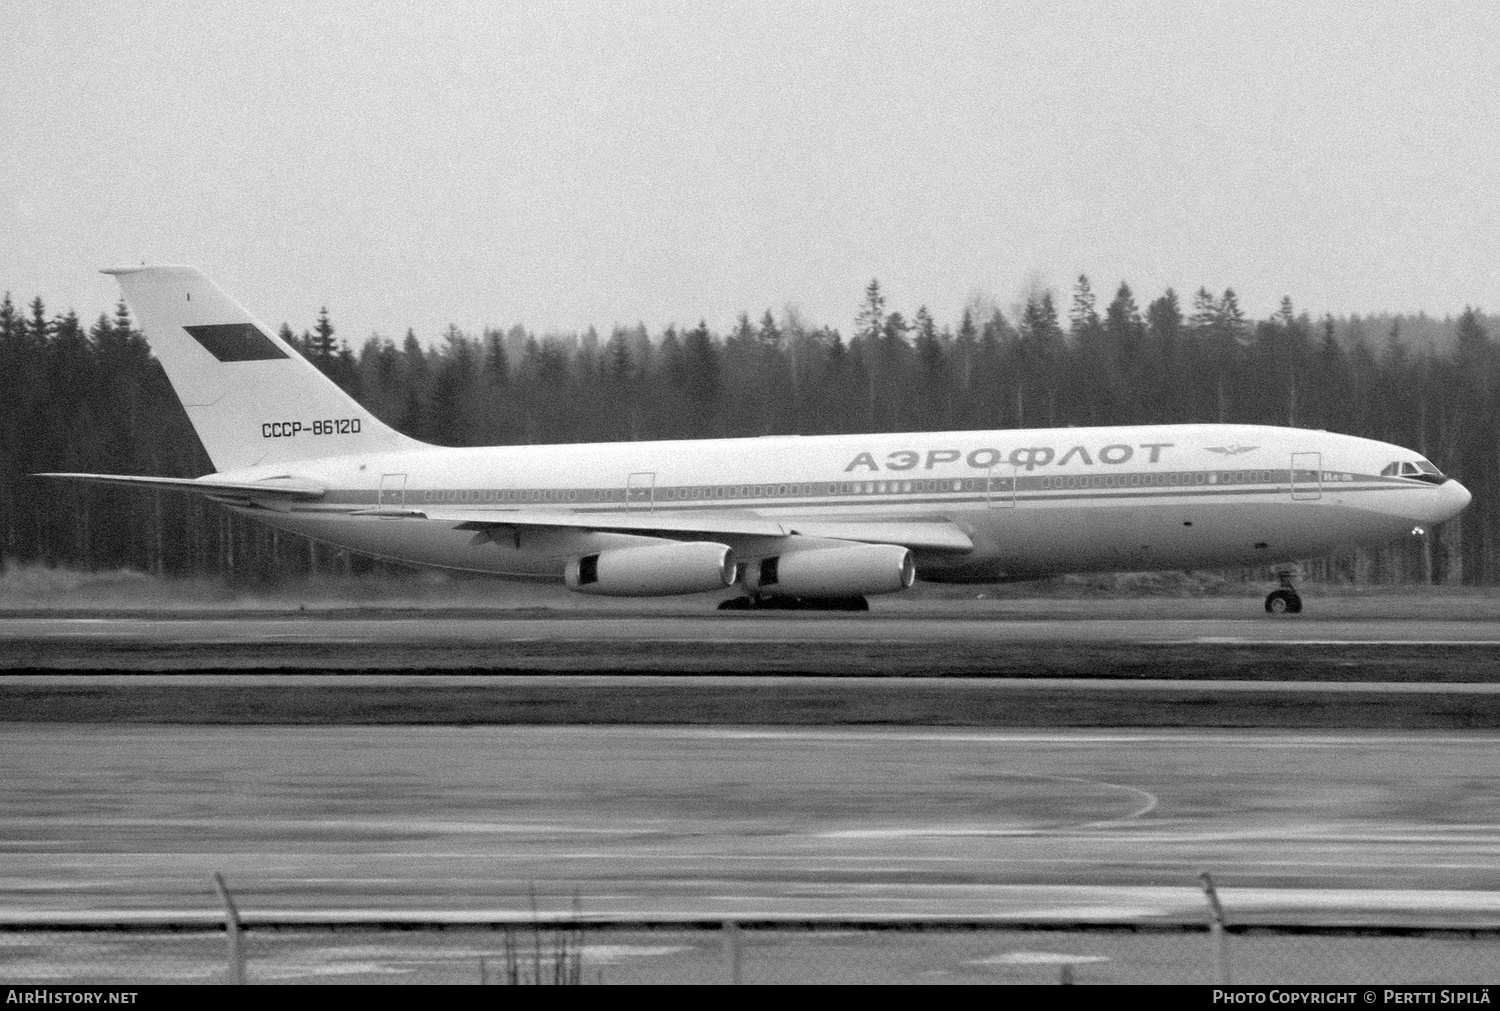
89,397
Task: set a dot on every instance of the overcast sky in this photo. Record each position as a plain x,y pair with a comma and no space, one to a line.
412,165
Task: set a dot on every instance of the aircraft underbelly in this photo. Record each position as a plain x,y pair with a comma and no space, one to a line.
1044,539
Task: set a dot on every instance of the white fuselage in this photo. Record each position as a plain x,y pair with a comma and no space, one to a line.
1032,502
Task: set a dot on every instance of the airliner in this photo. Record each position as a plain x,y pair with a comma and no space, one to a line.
794,522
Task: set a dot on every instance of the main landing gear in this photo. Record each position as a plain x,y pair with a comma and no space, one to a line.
1284,600
795,604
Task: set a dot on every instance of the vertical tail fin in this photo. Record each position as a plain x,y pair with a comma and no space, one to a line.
251,398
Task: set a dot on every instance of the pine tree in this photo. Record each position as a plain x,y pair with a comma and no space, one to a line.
40,328
930,411
1125,369
1039,348
1205,311
1230,318
123,329
964,346
452,390
890,375
776,377
834,400
1164,328
1285,316
416,375
588,353
869,324
1124,327
744,333
769,335
496,361
1331,388
323,347
10,320
617,356
622,417
670,417
1083,318
1163,343
701,379
870,321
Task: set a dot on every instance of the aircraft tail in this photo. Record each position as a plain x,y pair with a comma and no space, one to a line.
252,398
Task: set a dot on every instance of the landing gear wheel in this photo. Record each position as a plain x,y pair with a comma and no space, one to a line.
1284,600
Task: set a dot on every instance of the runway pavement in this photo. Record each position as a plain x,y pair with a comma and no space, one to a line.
331,699
787,669
445,629
429,822
441,766
1321,649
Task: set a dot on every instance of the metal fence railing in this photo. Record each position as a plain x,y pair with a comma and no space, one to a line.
586,952
563,948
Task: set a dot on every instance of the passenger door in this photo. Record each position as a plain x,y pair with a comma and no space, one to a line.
1307,476
640,491
393,490
1000,486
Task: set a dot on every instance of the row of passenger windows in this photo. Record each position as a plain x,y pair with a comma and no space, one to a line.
921,487
1177,479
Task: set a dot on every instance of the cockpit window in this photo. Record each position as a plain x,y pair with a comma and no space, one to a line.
1420,468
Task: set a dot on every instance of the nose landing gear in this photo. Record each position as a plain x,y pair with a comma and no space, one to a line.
1285,600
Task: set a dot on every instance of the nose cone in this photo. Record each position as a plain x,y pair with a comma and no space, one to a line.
1455,498
1436,503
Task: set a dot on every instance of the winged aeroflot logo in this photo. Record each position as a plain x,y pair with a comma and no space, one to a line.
1233,449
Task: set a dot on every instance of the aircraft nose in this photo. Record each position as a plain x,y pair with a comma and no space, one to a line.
1441,503
1457,497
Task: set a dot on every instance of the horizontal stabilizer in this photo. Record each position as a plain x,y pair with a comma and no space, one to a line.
275,487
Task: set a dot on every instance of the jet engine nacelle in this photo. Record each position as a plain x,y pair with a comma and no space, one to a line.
653,570
853,571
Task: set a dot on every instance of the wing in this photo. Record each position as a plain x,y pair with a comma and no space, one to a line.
920,532
927,533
